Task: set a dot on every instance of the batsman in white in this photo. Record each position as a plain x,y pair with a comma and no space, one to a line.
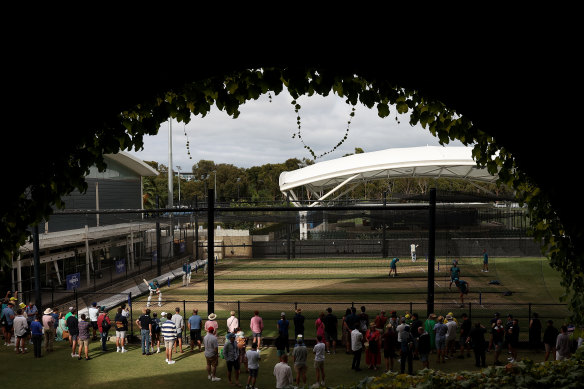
413,251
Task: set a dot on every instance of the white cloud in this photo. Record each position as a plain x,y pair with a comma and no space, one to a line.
263,133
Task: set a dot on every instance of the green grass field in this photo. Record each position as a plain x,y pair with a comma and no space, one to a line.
273,286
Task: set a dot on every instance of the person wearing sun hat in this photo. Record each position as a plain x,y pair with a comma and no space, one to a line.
49,328
212,323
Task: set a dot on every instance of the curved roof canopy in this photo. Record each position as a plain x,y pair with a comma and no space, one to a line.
133,163
425,161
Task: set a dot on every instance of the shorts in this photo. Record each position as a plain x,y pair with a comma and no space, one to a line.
319,364
393,267
211,361
233,365
8,327
84,342
440,343
423,357
121,334
168,343
549,348
300,368
74,337
253,372
330,337
94,325
256,334
196,335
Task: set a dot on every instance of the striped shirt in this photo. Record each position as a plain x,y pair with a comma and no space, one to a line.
168,330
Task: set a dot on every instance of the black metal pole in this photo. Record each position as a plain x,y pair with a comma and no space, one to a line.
211,252
37,268
158,247
384,245
431,250
196,232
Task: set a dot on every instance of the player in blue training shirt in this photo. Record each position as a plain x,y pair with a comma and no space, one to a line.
454,273
393,266
186,273
154,288
485,261
463,287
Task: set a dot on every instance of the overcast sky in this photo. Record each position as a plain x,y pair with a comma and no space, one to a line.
263,133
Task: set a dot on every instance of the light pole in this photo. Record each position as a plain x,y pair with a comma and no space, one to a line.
215,194
178,168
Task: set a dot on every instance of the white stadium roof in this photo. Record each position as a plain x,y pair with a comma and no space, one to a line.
425,161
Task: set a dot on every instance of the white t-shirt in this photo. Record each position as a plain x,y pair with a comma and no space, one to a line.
451,334
232,324
253,359
283,374
319,350
356,340
93,313
401,332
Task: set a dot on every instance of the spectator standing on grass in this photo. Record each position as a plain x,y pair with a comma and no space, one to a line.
241,341
232,323
330,331
282,326
357,348
194,324
389,344
498,333
211,323
563,344
144,322
8,315
73,326
535,333
121,323
400,330
440,329
103,324
300,356
393,320
168,331
157,331
423,347
407,352
319,324
429,327
180,325
363,321
49,330
253,365
346,332
476,339
256,325
493,323
319,351
373,351
55,315
514,339
450,337
93,314
298,323
465,328
283,373
231,355
416,323
30,312
20,326
380,320
61,330
506,339
36,329
550,337
83,340
211,354
280,344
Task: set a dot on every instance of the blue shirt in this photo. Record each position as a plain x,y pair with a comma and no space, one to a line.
195,322
394,261
153,286
283,326
7,312
454,272
36,328
187,268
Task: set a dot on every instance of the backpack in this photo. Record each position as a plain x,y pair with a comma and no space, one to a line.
105,326
155,326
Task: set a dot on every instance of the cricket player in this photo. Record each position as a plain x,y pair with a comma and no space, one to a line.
154,288
186,273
